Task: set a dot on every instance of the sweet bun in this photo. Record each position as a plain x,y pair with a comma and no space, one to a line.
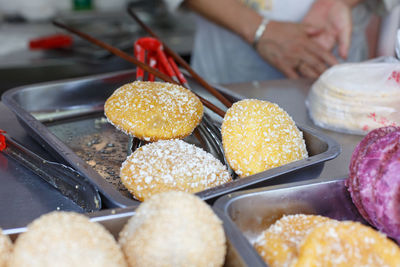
171,165
278,245
347,244
154,111
66,239
5,249
173,229
258,135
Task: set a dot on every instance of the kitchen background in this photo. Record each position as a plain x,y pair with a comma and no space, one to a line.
24,21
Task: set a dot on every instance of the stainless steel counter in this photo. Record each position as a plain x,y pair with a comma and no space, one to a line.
291,96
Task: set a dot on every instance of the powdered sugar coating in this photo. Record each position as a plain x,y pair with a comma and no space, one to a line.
174,229
66,239
279,244
258,135
171,165
5,249
154,110
347,244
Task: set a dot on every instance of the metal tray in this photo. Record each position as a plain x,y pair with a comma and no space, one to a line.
66,117
246,214
114,219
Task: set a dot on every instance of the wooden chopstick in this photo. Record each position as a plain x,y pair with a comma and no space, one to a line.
133,60
182,62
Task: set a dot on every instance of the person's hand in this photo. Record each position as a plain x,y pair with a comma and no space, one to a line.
289,48
334,17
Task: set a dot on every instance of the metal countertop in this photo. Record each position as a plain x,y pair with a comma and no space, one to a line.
291,96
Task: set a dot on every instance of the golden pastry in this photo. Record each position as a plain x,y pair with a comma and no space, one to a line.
171,165
154,111
259,135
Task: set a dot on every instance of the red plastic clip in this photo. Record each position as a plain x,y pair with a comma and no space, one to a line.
3,143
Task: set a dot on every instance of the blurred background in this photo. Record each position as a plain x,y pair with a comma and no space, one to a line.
26,32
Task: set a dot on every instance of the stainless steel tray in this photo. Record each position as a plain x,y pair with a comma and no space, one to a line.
66,117
246,214
114,219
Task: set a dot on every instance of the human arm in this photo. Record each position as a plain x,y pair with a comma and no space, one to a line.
334,16
284,45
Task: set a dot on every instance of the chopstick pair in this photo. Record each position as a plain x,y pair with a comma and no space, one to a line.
150,69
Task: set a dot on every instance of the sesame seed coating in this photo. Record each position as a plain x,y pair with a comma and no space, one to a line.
258,135
66,239
5,249
154,111
174,229
171,165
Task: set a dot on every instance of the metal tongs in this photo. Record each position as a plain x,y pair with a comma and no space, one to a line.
69,182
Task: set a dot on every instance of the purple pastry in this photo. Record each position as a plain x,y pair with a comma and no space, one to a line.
358,155
386,195
368,171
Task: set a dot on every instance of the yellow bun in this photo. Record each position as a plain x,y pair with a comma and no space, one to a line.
154,111
66,239
347,244
171,165
279,244
173,229
259,135
5,249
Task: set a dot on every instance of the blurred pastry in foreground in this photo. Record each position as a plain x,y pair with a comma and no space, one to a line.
258,135
374,180
66,239
312,240
279,244
154,111
356,97
347,244
173,229
171,165
5,249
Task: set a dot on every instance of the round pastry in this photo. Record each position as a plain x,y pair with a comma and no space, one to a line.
171,165
374,181
5,249
356,97
347,244
259,135
279,244
357,157
66,239
154,111
173,229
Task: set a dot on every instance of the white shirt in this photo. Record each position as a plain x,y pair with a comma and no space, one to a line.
221,56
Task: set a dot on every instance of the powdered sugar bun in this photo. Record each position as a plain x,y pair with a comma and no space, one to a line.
5,249
66,239
258,135
279,244
154,111
174,229
171,165
347,244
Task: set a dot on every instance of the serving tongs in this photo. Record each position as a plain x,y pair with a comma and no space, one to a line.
150,50
207,128
66,180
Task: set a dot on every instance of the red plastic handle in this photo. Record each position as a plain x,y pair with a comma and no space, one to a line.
140,55
50,42
3,144
182,78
